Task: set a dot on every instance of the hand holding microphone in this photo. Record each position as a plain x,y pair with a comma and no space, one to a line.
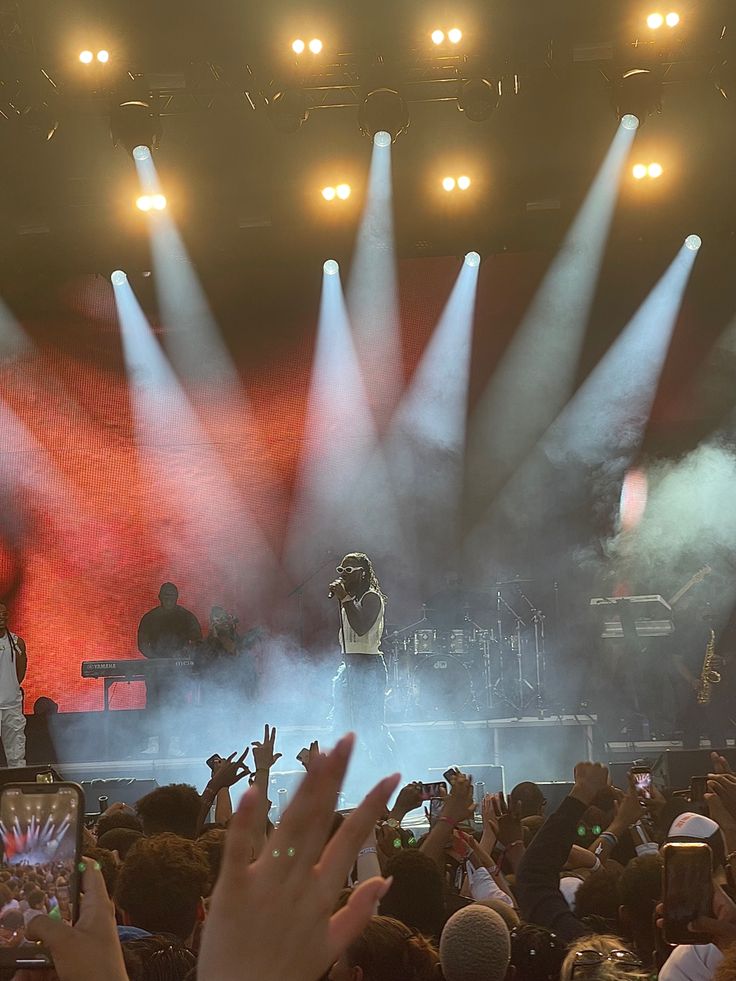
337,589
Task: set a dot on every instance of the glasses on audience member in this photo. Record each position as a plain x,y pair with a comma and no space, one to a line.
591,958
348,570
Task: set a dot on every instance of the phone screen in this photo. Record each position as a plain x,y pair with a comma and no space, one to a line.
698,787
688,889
435,809
41,833
430,790
642,778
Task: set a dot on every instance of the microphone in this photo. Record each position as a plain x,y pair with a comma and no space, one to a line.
333,586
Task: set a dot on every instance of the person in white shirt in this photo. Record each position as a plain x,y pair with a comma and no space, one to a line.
362,677
13,665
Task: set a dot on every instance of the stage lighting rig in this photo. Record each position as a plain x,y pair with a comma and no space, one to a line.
287,109
86,57
638,93
151,202
341,192
657,20
478,98
641,170
462,183
383,110
134,123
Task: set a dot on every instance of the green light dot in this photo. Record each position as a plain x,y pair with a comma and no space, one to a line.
82,867
397,842
276,853
596,829
291,852
581,831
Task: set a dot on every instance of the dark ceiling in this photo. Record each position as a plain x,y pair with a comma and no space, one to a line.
241,190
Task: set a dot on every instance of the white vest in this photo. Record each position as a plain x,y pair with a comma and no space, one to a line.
10,693
370,643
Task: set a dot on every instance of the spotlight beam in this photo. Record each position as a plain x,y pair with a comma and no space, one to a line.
536,375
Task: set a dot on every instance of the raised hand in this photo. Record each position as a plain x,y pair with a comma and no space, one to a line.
510,830
227,772
263,754
299,871
720,764
459,804
409,799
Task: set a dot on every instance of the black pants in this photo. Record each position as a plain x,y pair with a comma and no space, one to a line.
359,701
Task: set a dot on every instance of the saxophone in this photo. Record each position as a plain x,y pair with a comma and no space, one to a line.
708,676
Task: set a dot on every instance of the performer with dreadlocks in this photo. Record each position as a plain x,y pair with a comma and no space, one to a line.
362,676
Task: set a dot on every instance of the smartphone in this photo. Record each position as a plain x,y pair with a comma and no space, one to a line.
214,760
435,809
303,756
41,836
642,778
687,891
698,787
430,790
450,774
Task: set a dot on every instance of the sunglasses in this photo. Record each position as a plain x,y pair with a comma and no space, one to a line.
343,570
591,958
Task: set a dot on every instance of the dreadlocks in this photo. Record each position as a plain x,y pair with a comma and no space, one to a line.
373,582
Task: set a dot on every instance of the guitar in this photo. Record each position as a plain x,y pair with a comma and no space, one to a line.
699,576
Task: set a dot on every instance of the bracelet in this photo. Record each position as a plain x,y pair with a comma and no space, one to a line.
596,864
371,850
610,837
453,824
261,769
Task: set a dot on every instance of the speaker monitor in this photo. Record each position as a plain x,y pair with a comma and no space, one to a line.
124,789
675,767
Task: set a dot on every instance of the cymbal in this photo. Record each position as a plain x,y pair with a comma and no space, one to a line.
514,582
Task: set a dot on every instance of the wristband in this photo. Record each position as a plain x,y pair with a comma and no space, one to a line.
371,850
453,824
610,837
596,865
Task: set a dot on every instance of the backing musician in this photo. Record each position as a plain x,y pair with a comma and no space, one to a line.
360,685
223,659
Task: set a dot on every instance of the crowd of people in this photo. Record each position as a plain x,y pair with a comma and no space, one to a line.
181,887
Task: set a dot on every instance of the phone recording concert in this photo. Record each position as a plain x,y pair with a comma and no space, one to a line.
367,490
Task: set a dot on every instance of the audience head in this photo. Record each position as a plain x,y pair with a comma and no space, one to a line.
161,884
507,913
598,896
691,827
387,950
640,889
157,959
601,957
536,953
119,840
416,896
118,819
529,797
173,809
212,846
475,946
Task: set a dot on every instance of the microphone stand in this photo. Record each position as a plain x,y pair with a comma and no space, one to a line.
298,591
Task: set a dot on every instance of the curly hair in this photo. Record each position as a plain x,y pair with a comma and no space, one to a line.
161,884
157,959
173,808
387,950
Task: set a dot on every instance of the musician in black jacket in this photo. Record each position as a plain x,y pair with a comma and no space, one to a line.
166,631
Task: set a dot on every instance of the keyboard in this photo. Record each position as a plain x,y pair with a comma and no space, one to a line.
134,669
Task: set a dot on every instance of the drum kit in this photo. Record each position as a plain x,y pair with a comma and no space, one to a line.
452,667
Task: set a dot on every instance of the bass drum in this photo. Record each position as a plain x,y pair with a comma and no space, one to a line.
443,688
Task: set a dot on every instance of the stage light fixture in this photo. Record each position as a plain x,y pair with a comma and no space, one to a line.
143,202
693,242
472,259
328,193
655,170
315,46
141,153
383,110
639,171
158,202
298,46
288,109
638,93
118,278
86,57
382,138
103,56
343,191
437,36
672,19
463,182
478,98
331,267
448,183
629,121
134,124
655,21
454,35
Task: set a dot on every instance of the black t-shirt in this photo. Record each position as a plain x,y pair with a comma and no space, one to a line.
167,633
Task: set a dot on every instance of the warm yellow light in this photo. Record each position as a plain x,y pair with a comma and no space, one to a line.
103,56
298,46
463,182
328,193
343,191
438,37
86,57
639,171
315,45
144,202
158,201
448,183
454,35
655,21
672,19
655,170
